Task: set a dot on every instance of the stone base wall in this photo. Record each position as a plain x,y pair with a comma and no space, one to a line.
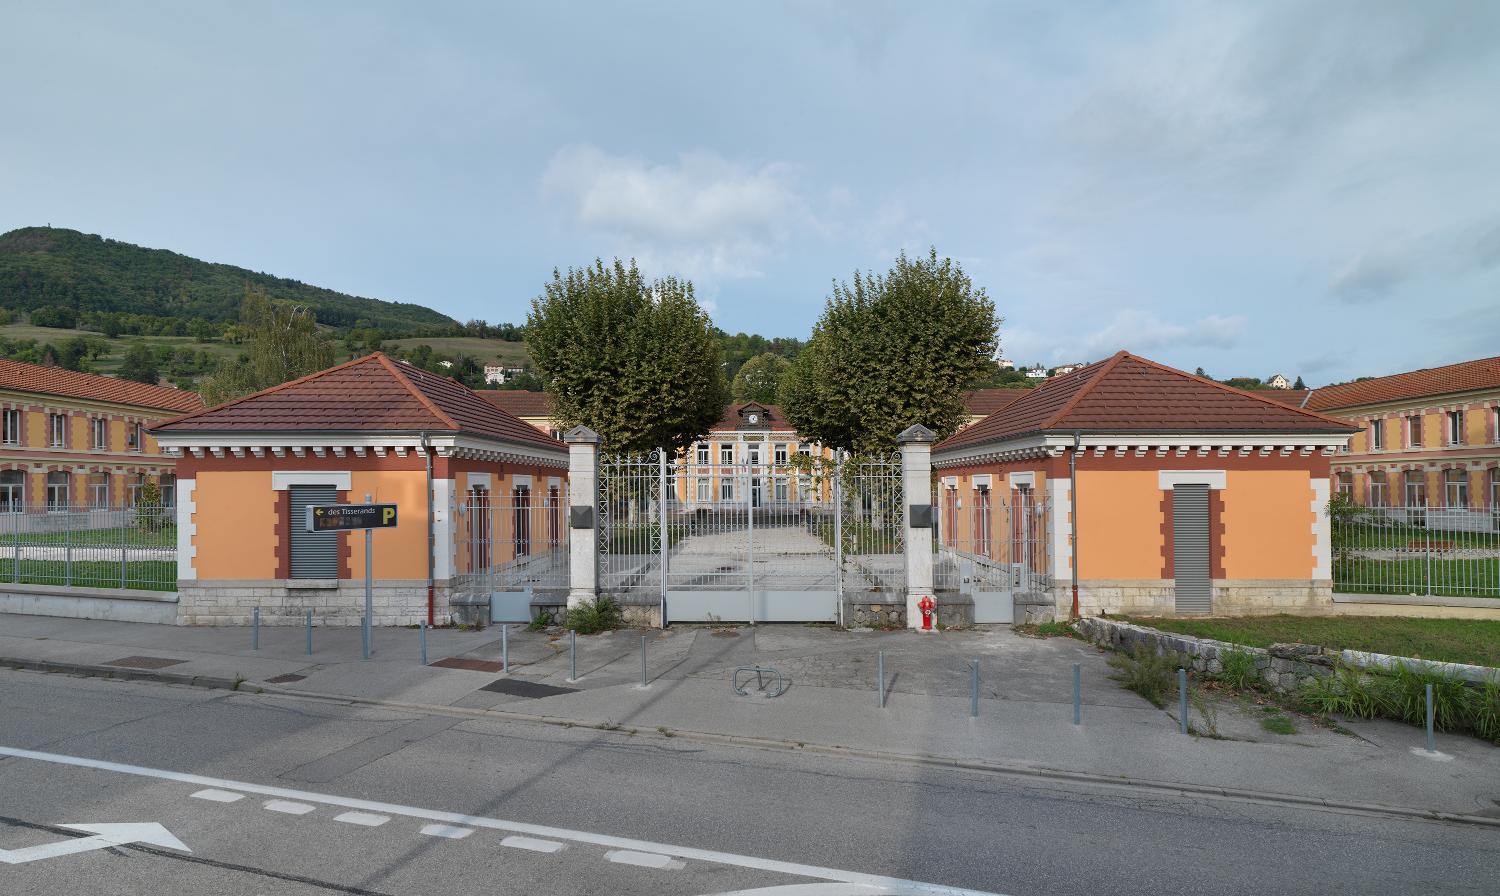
951,613
1231,597
332,602
1283,667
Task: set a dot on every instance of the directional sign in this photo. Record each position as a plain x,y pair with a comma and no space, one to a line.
338,517
105,836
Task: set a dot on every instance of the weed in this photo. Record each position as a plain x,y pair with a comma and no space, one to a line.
541,623
1405,695
1239,669
1279,724
1347,692
1484,711
1147,672
608,725
238,680
1047,630
1207,711
665,731
601,614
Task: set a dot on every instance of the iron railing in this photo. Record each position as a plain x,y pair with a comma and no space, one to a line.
1424,551
512,540
90,547
992,541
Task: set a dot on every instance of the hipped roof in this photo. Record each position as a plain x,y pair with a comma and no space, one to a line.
44,380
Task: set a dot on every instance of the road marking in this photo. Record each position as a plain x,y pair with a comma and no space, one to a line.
288,807
218,796
776,866
364,819
105,836
533,844
446,831
643,859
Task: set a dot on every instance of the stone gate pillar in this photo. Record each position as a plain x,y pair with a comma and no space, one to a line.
916,481
583,514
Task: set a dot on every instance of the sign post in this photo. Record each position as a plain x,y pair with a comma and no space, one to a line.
366,516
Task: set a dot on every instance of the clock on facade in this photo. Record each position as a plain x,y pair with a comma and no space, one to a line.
754,418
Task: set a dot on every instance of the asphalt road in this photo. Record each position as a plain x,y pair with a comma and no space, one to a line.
281,795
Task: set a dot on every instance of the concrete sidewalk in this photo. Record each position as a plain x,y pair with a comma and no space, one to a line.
1024,722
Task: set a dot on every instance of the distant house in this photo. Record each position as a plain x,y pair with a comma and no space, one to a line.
499,374
1005,364
1036,373
1277,381
445,364
1061,369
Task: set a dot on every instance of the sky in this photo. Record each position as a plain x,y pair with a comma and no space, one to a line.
1310,188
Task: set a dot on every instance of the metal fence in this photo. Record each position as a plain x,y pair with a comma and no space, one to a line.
871,506
1427,551
514,541
90,547
991,546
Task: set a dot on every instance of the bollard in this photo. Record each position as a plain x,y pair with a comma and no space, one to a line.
1431,743
422,638
880,672
572,654
643,660
1182,709
255,629
1077,694
364,632
505,649
974,692
309,632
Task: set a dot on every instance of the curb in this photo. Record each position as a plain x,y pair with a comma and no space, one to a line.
1039,773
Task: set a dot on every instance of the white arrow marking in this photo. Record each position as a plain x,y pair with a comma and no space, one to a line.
105,836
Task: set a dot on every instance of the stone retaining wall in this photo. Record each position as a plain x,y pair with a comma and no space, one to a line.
332,602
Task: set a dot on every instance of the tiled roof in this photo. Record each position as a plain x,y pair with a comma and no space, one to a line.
1466,376
1290,397
1128,393
92,387
369,394
521,402
733,418
984,402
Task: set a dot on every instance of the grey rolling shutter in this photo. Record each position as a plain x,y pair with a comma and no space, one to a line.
315,555
1190,563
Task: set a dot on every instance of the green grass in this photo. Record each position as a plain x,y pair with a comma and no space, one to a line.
130,536
141,575
1366,534
1279,724
1451,578
110,362
1475,641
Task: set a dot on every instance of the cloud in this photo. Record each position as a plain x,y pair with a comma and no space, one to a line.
1143,331
1369,277
702,215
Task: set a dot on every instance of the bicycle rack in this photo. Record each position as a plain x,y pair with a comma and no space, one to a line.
760,673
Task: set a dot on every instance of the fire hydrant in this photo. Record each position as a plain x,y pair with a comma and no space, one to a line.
927,606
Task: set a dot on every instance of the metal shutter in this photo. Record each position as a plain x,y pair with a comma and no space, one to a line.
315,555
1190,567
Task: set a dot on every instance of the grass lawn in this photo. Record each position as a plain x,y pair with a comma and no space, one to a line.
140,575
1473,577
110,362
113,536
1362,535
1475,641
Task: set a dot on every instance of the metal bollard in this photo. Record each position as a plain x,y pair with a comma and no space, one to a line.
572,654
422,637
505,649
643,660
309,632
974,691
1077,694
255,629
364,633
880,672
1431,743
1182,709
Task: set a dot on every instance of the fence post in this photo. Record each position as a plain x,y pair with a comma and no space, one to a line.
916,479
68,549
422,638
122,518
255,629
666,537
838,531
583,515
572,654
505,648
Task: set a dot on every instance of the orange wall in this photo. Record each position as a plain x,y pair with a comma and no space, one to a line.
401,552
1119,524
235,521
1267,523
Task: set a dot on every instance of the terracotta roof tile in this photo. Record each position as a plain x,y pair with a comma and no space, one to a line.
369,394
988,401
92,387
734,418
1128,393
1465,376
521,402
1292,398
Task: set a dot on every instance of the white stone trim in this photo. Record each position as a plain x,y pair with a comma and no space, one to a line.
980,481
442,528
480,480
1060,496
520,479
1322,535
1016,480
554,482
282,479
187,552
1214,479
950,481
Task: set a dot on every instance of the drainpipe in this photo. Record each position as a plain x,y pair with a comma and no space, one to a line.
431,538
1073,516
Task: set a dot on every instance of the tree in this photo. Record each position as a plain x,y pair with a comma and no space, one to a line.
890,351
140,364
759,378
1200,372
283,343
637,362
1299,384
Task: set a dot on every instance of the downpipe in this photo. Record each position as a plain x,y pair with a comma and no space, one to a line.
1074,614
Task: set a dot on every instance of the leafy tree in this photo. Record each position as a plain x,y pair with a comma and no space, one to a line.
150,513
1299,384
55,316
759,379
283,343
141,365
1200,372
636,361
890,351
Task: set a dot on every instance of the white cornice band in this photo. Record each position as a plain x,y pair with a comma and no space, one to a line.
1039,445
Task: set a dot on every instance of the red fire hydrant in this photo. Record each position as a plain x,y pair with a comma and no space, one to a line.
926,605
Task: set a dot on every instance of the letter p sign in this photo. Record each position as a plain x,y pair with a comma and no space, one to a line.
388,515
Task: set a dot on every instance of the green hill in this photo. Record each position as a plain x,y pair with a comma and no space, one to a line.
43,267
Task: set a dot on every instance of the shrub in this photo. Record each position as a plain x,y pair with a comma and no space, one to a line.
1484,711
593,616
1239,669
1148,673
1346,692
540,623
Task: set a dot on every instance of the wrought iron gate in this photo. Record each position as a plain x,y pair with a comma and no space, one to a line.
511,547
991,546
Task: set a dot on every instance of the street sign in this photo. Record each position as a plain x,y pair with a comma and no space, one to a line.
340,517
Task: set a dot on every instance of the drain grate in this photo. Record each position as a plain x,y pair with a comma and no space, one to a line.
458,662
285,679
144,662
518,688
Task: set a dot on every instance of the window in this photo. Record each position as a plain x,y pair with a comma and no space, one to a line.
778,455
1377,435
1494,489
702,454
168,487
133,493
804,450
1379,490
98,490
554,516
1495,423
1456,488
57,430
1416,488
12,426
134,436
1455,427
478,525
99,429
57,491
726,488
12,491
314,555
521,495
782,494
982,521
1414,431
1346,485
754,454
726,455
705,490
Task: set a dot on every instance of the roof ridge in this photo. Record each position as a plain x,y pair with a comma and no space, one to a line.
267,391
1223,388
1104,368
411,387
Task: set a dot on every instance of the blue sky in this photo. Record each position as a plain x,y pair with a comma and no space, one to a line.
1309,188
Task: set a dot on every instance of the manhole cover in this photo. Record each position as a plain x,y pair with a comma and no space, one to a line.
458,662
518,688
144,662
285,679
